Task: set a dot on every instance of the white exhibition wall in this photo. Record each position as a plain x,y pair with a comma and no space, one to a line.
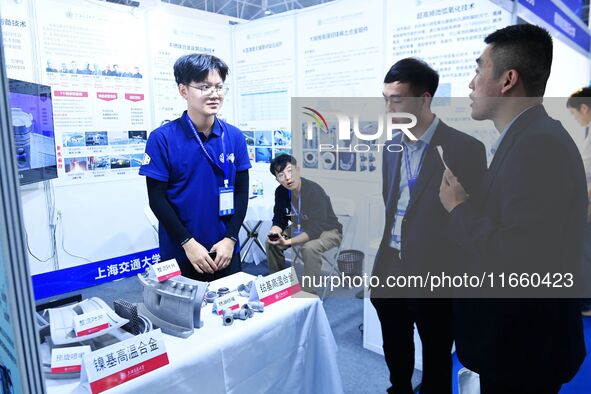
99,214
338,49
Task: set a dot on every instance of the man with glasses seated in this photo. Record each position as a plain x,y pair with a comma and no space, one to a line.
196,169
314,225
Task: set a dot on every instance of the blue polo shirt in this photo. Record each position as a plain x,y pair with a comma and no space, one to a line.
174,155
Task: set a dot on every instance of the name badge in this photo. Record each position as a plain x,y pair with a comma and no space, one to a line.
91,322
226,201
275,287
165,270
67,359
126,360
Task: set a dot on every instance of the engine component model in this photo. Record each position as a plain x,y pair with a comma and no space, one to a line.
174,305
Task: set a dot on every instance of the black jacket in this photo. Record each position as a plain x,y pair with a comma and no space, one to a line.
529,217
424,239
317,214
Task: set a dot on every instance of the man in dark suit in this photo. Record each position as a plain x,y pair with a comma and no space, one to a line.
414,238
528,217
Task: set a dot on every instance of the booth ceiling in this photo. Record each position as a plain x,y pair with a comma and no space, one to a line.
247,9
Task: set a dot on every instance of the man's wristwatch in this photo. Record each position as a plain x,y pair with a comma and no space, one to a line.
233,239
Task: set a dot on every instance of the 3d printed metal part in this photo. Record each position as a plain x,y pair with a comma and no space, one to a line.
228,317
56,329
61,321
223,291
173,305
244,289
256,306
245,312
210,296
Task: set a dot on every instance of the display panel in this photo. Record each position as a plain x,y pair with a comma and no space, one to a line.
32,124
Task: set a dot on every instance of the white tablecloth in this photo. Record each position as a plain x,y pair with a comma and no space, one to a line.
289,348
260,208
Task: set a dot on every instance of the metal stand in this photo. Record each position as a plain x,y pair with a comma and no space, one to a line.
252,238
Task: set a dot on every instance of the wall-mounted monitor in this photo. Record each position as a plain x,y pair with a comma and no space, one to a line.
32,123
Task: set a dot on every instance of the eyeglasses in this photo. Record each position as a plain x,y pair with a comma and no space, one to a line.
208,90
283,174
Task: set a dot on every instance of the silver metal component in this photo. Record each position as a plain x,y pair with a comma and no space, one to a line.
210,296
227,317
174,305
223,291
244,289
241,314
256,306
61,321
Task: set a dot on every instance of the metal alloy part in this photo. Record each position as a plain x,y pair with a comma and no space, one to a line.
174,305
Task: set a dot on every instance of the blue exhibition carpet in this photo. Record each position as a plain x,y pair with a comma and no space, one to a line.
581,384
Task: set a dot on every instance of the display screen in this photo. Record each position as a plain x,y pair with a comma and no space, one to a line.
32,124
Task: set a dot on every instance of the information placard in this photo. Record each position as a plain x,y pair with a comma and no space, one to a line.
275,287
68,359
116,364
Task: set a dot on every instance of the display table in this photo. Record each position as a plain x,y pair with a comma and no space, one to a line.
289,348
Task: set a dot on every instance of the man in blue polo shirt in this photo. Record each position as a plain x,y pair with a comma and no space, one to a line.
196,169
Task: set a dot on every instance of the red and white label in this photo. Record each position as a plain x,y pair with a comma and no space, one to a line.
70,93
106,96
268,300
116,364
135,97
275,287
166,270
224,302
67,359
135,371
91,322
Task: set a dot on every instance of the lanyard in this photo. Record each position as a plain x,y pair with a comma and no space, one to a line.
412,178
225,165
296,211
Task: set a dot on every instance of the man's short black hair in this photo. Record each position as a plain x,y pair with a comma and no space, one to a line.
578,98
421,77
525,48
279,163
195,67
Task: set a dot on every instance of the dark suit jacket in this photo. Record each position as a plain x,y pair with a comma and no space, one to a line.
530,216
424,238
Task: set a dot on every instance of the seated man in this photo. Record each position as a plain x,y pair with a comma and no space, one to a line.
314,225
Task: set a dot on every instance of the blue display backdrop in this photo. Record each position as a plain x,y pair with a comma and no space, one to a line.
576,6
80,277
558,20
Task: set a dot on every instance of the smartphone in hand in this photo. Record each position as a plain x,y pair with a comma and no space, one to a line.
273,236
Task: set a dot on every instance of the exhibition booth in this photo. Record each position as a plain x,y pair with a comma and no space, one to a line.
84,85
